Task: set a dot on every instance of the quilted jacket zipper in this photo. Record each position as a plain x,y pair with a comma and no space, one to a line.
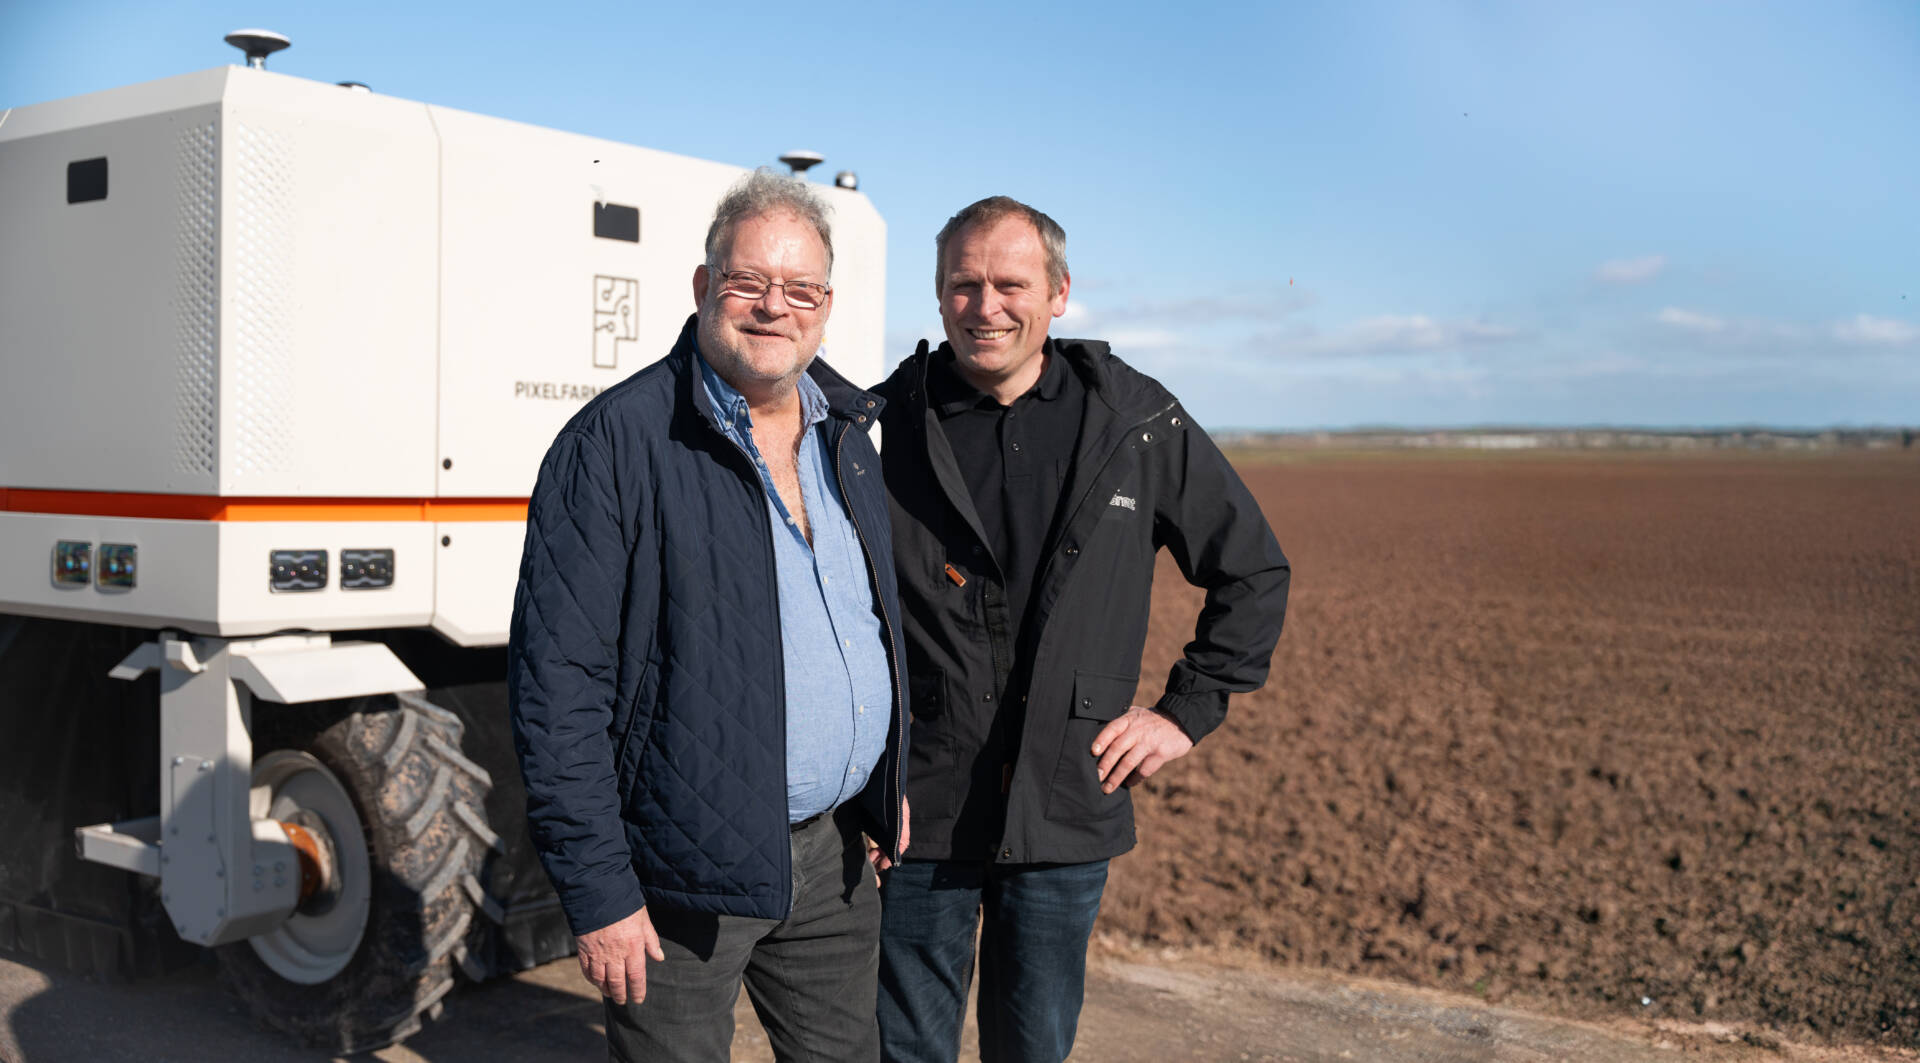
780,665
899,779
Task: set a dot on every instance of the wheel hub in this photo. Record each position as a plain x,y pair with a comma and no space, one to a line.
319,871
319,939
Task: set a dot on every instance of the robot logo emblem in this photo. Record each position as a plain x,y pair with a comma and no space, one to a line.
616,318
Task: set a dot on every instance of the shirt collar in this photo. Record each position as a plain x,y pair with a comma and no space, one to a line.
732,406
950,393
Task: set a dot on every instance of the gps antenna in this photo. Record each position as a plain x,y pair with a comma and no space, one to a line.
799,162
258,44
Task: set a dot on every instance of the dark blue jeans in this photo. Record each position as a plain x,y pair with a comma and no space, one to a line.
1034,922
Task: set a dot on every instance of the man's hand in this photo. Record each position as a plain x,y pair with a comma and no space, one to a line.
614,958
878,854
1136,745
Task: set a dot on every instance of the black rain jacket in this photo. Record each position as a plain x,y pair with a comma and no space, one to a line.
1144,476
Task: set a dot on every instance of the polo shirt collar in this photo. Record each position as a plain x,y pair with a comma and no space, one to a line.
950,393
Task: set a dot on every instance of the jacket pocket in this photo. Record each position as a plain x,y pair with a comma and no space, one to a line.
927,694
1102,698
633,737
933,782
1098,699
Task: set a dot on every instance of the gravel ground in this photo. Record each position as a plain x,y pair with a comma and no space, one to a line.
1141,1006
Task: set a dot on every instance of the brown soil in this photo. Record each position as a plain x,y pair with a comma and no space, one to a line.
1627,736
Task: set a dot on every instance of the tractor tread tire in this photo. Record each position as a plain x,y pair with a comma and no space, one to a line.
398,757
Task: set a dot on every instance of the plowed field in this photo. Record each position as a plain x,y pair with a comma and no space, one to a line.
1637,735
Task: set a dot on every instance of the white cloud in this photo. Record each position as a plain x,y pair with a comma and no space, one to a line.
902,342
1419,332
1140,328
1609,363
1631,270
1865,328
1135,339
1387,334
1690,320
1208,310
1766,341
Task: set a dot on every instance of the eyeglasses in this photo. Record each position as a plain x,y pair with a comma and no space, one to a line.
749,285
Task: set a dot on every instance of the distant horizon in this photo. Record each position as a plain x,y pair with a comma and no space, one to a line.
1726,429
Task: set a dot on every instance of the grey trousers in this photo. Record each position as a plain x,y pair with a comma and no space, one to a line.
812,976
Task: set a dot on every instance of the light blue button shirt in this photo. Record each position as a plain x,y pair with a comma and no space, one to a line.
839,690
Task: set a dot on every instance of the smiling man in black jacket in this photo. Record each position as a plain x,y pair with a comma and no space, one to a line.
1032,481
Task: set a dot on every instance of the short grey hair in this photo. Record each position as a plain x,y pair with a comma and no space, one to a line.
765,192
990,210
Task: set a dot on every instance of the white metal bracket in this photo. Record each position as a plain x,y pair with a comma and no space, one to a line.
205,836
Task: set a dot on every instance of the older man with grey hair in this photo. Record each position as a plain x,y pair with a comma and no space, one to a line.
707,692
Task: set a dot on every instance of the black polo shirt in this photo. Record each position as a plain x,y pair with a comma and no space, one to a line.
1015,460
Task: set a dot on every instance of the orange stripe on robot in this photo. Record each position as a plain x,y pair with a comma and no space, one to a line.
216,508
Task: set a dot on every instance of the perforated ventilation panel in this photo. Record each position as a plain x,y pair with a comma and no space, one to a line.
262,276
196,300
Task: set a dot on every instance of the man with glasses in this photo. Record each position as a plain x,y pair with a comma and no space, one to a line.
706,688
1033,482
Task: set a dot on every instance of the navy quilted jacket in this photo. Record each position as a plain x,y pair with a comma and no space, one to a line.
645,673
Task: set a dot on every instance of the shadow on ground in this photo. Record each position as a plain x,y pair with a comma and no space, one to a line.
1141,1006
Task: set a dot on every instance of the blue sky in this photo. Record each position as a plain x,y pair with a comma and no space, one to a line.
1295,216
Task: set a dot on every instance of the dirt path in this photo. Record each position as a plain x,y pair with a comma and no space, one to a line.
1140,1007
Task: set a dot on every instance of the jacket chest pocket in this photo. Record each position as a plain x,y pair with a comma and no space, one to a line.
1098,699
